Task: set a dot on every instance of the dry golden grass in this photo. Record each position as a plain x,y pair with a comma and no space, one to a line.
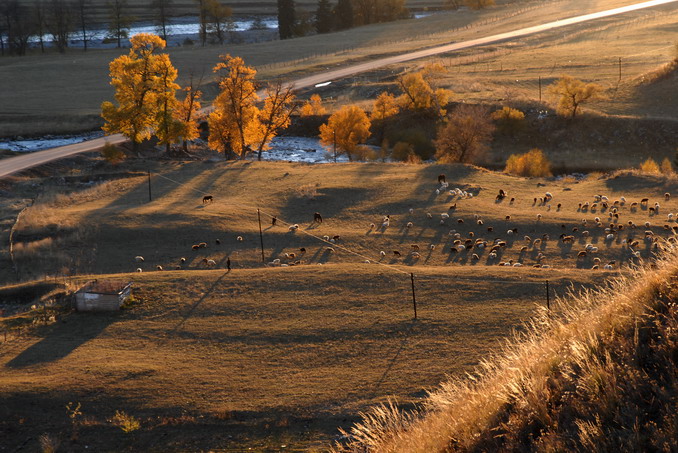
38,89
575,380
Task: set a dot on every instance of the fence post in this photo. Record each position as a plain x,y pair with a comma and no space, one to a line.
548,296
414,297
150,197
261,237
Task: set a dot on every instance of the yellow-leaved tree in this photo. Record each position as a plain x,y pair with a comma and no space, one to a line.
572,93
384,106
188,112
420,93
313,107
144,84
234,123
169,129
278,108
346,129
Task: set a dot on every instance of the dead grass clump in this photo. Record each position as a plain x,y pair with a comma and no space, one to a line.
49,443
596,374
126,422
662,73
649,167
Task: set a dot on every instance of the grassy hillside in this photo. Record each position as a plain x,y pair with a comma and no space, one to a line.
76,226
598,376
225,361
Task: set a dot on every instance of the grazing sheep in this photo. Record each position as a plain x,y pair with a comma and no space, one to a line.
239,239
202,245
397,253
415,247
432,246
538,217
195,247
409,225
507,218
460,220
382,253
139,259
217,241
441,178
207,199
158,267
302,249
329,249
558,206
444,216
411,211
490,229
645,201
274,219
667,196
479,222
326,238
609,237
429,215
475,257
139,269
317,218
294,227
372,225
209,263
513,199
182,260
416,255
290,256
437,191
582,254
453,207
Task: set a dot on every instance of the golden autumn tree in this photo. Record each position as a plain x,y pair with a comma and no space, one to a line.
169,129
188,112
141,79
346,129
420,93
313,107
384,106
572,93
465,134
234,123
275,115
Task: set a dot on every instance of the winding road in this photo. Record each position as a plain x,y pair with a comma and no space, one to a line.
16,164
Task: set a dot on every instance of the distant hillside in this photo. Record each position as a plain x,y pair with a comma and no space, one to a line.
597,374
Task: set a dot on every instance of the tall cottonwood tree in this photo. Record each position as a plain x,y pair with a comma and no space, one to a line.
59,23
420,93
346,129
286,18
324,17
162,12
82,16
234,123
188,113
275,115
169,129
143,80
119,20
203,20
219,17
465,135
18,26
39,22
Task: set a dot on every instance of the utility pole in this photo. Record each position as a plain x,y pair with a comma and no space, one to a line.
150,197
539,88
414,297
620,69
335,146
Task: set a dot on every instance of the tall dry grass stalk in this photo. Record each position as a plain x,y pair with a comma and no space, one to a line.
593,375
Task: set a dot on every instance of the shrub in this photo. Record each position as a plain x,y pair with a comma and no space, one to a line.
649,167
465,136
421,143
509,121
49,443
112,153
127,423
666,167
533,163
401,151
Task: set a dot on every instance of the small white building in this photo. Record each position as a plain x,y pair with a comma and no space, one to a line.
105,295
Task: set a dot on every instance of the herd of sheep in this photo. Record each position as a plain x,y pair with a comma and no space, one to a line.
603,223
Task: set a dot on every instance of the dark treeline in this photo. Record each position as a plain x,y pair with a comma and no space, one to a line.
338,15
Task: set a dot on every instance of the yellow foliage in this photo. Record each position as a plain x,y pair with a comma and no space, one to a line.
533,163
313,107
384,106
478,4
347,128
666,167
275,115
418,94
508,120
187,112
144,89
572,93
649,166
234,124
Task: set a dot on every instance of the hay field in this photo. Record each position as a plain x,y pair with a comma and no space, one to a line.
39,89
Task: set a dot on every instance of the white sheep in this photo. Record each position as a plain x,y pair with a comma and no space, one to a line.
444,216
429,215
139,259
382,253
294,227
139,269
409,225
411,210
239,239
158,267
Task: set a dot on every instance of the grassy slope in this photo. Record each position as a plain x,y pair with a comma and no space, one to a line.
279,355
38,96
211,360
601,376
84,231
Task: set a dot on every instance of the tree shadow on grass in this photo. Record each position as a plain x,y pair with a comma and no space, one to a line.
61,339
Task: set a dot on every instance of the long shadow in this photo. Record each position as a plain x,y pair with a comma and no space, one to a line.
196,304
62,339
394,359
329,202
